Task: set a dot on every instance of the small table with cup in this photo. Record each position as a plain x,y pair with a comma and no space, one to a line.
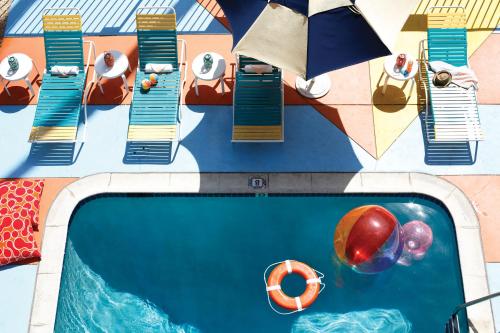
400,67
14,67
208,66
110,65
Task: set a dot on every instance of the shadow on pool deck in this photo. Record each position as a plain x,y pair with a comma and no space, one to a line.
311,144
150,152
446,153
54,153
49,154
108,17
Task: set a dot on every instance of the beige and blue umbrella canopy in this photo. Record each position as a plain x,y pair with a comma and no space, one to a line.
312,37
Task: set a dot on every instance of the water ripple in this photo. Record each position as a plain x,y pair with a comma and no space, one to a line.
88,304
370,321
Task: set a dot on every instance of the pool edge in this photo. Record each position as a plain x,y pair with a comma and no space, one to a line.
467,227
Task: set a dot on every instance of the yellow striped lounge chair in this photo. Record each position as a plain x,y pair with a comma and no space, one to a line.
155,114
258,104
60,98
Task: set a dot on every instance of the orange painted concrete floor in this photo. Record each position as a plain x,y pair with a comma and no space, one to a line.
349,105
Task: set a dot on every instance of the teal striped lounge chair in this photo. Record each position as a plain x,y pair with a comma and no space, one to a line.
258,104
60,97
451,113
155,114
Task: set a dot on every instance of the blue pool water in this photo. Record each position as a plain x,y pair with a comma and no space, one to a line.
195,264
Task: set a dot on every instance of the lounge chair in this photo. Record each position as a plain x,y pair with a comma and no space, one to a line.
155,115
451,113
258,104
60,98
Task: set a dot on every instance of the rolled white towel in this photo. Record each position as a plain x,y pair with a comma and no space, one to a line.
461,76
258,69
64,70
159,68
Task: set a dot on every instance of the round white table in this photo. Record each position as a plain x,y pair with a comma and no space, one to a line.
316,87
215,73
392,72
118,70
25,66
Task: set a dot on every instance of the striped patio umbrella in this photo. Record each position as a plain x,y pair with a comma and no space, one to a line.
313,37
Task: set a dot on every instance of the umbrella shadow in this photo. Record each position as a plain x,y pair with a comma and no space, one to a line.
311,144
330,112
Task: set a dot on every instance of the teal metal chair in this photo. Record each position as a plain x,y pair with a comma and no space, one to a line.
258,104
451,113
155,115
60,98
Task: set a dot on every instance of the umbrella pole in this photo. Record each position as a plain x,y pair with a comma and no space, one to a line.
316,87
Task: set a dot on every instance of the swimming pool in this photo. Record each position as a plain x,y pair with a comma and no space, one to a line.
194,263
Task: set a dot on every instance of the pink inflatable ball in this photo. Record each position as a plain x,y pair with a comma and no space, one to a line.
417,237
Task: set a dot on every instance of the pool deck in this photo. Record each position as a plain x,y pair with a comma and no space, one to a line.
353,129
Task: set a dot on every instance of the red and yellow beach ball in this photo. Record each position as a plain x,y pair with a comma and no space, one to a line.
369,239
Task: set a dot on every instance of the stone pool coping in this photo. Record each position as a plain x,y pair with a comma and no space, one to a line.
48,278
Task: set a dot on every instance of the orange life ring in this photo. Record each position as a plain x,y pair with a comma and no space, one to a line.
313,285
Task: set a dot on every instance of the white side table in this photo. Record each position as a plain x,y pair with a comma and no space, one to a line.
215,73
25,66
316,87
392,72
118,70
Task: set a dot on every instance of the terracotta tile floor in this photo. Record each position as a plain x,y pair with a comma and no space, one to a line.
485,64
